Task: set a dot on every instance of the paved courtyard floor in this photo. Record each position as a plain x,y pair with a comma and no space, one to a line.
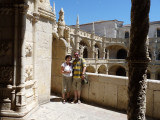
56,110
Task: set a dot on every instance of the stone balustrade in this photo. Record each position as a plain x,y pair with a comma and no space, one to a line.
116,61
111,91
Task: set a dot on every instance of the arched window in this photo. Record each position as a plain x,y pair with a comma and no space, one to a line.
121,54
158,32
106,53
96,46
85,53
121,72
126,35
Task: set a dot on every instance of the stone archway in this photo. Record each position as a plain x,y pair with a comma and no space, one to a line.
121,54
120,71
97,47
85,53
90,69
117,70
84,48
102,69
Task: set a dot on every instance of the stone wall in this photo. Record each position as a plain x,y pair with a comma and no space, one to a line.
111,91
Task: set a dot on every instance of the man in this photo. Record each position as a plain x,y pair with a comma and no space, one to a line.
79,68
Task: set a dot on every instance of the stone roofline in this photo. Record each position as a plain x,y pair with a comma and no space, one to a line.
102,21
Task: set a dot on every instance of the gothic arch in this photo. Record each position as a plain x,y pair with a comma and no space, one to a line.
121,54
117,70
85,42
118,45
117,52
98,46
102,69
90,69
85,52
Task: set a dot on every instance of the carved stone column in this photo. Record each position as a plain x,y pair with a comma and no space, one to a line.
20,91
108,54
138,60
92,49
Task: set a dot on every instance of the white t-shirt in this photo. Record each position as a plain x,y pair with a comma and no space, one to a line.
67,68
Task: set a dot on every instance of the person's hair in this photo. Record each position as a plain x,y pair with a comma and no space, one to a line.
68,56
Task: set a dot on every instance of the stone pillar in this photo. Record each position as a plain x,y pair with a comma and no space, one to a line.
92,52
108,54
20,91
137,60
107,71
35,20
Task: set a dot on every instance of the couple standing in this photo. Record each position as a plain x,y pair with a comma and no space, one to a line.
75,70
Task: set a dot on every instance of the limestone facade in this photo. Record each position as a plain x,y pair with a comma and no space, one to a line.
25,55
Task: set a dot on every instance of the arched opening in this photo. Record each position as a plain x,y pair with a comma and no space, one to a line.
102,69
84,48
85,53
121,71
122,54
96,46
106,53
126,35
90,69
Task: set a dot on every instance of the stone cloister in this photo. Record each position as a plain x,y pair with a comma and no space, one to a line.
33,45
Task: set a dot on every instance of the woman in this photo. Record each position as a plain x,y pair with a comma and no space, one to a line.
66,70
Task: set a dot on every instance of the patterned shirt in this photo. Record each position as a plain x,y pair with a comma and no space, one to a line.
78,67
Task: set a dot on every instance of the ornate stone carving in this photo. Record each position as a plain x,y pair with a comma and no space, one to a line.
4,47
6,74
29,73
28,50
61,23
66,33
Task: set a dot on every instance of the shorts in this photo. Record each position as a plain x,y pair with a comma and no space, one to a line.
66,84
77,84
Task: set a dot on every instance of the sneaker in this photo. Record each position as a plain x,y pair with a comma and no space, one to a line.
74,101
79,101
63,101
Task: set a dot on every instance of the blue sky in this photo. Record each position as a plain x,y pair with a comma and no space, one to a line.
97,10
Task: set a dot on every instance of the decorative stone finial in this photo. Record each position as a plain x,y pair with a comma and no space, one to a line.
93,30
54,11
77,22
104,32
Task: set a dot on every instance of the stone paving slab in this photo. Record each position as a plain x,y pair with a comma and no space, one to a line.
56,110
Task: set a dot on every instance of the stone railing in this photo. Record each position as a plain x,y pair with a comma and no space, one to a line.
104,61
111,91
116,40
116,61
93,61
